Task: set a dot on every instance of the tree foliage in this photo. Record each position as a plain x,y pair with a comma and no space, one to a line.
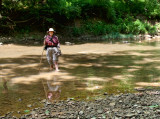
20,15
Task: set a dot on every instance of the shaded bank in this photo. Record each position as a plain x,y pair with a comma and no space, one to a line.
37,38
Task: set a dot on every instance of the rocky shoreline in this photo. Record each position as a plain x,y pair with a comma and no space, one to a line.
37,38
141,105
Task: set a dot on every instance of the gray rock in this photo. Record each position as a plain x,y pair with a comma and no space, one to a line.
42,114
68,43
99,111
18,112
48,103
33,112
69,99
158,111
138,111
36,108
140,89
148,39
29,105
157,37
112,104
62,117
71,117
93,118
36,43
119,115
147,36
36,115
44,100
88,116
135,105
105,93
129,115
115,110
116,118
81,112
125,41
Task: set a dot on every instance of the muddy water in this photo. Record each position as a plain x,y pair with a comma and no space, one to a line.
87,72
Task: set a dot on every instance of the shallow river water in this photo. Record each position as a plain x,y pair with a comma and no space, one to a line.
86,73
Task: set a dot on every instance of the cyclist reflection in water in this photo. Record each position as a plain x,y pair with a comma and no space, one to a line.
54,89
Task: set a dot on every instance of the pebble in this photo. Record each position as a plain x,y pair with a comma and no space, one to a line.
36,43
100,111
125,41
69,99
158,111
44,100
129,115
147,36
18,112
19,99
81,112
139,89
93,118
112,104
33,112
48,103
105,93
68,43
135,105
29,105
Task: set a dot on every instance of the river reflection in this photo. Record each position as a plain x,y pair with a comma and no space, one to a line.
54,89
5,87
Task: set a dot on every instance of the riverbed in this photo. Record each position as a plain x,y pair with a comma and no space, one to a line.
87,71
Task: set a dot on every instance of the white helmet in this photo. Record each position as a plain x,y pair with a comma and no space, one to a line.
51,29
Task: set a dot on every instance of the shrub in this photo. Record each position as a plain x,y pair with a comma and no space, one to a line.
125,26
95,27
76,31
153,30
158,26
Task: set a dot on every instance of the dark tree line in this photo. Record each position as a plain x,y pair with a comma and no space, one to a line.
118,15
